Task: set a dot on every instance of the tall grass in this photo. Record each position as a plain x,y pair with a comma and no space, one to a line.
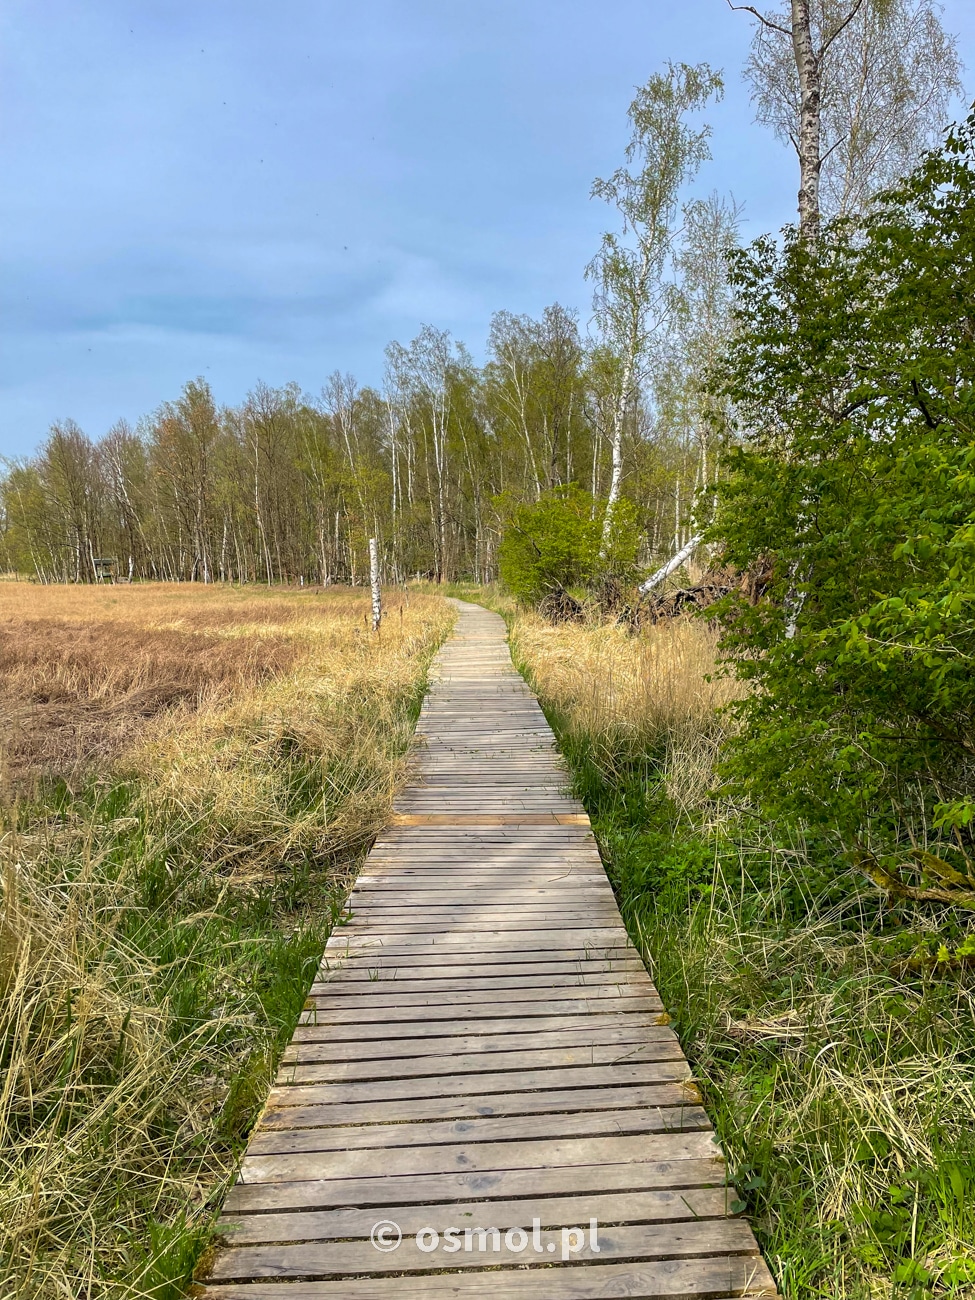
622,697
837,1059
167,887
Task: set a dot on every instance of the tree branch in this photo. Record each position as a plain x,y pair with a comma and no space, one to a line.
761,18
832,147
929,419
846,411
896,888
845,23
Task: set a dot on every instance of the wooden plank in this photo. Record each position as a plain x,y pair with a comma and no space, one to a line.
403,1061
551,1212
420,920
541,1153
471,965
502,1129
489,819
731,1278
486,1041
482,1041
494,1004
280,1113
317,1193
591,910
676,1240
537,939
417,891
308,1067
389,1030
326,1011
400,982
446,1085
620,958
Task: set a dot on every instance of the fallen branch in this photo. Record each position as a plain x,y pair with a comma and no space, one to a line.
896,888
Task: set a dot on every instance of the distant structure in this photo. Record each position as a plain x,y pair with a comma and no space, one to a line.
106,568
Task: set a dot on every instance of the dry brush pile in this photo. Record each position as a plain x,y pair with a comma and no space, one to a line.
190,777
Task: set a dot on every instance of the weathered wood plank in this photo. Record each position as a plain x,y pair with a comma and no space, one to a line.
488,1041
313,1063
728,1278
503,1129
551,1212
538,939
323,1011
388,1031
281,1113
577,1180
618,958
400,982
424,969
446,1085
676,1240
541,1153
482,1046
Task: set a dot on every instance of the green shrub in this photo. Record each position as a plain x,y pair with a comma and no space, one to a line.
851,374
554,543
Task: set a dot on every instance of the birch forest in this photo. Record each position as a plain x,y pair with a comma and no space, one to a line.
286,487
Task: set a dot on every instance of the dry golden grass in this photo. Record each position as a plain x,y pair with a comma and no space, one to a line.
627,693
85,670
231,752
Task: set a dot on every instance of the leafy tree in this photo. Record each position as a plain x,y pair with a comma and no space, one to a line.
859,88
554,543
633,301
852,377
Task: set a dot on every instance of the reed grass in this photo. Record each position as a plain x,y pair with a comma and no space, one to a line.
168,882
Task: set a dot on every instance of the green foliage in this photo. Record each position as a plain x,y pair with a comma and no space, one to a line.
852,378
554,543
835,1071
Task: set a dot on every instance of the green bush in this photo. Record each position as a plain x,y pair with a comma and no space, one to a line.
851,375
554,543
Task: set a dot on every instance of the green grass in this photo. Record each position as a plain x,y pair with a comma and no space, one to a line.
154,960
161,1043
836,1057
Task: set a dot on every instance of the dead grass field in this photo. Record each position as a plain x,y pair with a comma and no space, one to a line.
625,694
190,777
85,670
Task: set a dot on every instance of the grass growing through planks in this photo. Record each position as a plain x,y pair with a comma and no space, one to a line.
837,1063
189,781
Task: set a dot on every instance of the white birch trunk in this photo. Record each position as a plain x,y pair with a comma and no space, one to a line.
377,604
671,566
808,144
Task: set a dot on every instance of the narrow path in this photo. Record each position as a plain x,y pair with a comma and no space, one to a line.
483,1049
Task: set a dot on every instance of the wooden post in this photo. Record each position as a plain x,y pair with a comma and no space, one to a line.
377,604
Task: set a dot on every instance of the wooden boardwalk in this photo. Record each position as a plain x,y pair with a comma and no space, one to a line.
483,1049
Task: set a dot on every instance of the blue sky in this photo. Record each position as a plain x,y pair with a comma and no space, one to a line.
246,190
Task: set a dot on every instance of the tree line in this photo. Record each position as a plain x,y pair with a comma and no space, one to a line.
286,488
439,459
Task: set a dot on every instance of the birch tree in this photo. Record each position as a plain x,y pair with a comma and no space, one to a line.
860,88
632,299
